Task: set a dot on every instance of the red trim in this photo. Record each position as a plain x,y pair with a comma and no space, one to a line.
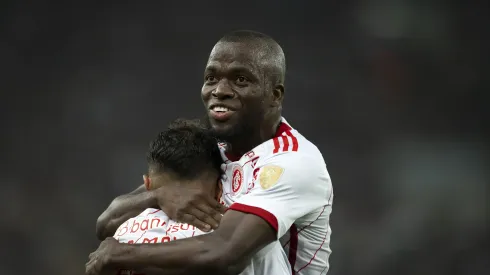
284,132
276,144
295,140
283,127
293,247
250,160
323,210
264,214
286,143
314,255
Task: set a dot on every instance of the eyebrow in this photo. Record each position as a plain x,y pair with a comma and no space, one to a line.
232,68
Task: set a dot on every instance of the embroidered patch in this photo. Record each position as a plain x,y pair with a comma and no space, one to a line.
270,175
237,178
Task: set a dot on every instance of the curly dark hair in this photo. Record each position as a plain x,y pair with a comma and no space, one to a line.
186,148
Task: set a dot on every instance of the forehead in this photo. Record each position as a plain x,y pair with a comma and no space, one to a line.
234,54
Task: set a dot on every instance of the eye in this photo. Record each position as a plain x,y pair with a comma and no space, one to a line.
241,79
210,79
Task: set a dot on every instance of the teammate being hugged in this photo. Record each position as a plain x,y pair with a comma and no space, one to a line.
185,154
274,179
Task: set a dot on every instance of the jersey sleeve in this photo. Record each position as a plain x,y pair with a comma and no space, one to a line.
285,188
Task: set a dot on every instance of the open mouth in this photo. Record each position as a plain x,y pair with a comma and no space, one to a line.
220,112
220,109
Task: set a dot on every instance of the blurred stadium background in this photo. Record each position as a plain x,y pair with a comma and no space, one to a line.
392,92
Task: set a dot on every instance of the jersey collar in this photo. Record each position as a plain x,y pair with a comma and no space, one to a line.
283,127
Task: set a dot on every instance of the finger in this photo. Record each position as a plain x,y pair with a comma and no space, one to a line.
221,208
206,213
89,267
192,220
213,208
215,204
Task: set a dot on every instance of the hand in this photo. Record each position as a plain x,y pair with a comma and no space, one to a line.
192,205
99,260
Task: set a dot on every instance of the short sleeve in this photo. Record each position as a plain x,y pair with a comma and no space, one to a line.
285,188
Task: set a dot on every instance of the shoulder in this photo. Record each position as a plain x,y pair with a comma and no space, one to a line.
292,150
289,140
297,163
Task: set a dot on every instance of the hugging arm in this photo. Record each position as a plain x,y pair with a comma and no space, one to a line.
181,203
123,208
227,250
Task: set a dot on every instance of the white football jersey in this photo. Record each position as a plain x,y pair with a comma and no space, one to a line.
154,226
285,181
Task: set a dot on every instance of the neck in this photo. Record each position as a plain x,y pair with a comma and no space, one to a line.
241,145
205,181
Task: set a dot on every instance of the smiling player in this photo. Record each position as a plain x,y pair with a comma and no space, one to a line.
274,178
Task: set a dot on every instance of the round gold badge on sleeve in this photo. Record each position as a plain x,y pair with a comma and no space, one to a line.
270,175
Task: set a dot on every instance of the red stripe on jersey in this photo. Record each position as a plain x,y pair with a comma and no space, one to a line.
286,143
276,144
283,127
294,139
306,226
314,255
293,247
264,214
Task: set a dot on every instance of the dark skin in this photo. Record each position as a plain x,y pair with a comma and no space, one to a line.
194,206
236,78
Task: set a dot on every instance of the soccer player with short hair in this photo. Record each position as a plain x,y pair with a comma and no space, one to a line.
274,178
186,153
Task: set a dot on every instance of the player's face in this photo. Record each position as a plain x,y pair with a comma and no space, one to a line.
233,91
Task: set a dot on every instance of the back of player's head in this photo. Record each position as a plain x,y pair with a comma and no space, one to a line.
269,50
186,148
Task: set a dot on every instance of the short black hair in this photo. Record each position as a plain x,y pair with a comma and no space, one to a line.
186,148
271,50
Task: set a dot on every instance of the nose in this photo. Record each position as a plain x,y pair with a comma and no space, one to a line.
223,90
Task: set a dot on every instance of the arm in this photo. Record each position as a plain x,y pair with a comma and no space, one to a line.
189,205
287,188
121,209
227,250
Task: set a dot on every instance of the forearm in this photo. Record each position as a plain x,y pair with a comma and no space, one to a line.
121,209
158,271
148,271
198,255
227,250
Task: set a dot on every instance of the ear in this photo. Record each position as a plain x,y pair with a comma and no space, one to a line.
277,95
147,182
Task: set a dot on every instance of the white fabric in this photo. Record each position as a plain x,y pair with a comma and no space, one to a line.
298,205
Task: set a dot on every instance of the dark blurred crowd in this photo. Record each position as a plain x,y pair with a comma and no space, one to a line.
392,92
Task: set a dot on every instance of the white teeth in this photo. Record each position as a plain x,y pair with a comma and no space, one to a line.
220,109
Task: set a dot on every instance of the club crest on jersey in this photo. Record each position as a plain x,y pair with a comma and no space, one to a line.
237,180
270,175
